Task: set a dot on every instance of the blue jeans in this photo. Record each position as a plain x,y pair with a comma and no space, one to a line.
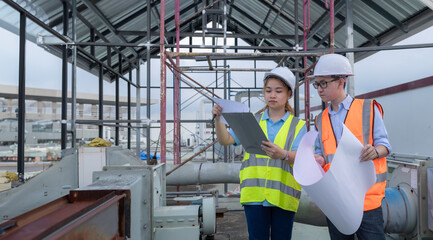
371,227
261,219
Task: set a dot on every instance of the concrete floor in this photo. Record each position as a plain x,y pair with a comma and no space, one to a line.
233,225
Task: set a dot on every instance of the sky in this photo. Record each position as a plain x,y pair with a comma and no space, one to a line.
381,70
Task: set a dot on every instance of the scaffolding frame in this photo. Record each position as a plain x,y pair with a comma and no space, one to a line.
77,48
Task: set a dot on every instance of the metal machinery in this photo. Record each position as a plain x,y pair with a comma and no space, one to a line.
408,203
121,202
130,201
407,207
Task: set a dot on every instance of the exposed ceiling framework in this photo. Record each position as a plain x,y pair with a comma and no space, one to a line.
107,29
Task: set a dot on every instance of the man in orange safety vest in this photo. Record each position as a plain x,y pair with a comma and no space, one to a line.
364,119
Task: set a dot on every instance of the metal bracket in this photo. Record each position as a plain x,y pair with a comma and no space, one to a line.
52,40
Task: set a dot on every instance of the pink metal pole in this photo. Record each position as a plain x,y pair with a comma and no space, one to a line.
163,140
331,23
176,107
306,20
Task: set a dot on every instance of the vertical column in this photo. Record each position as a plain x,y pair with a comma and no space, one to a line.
129,107
295,91
138,107
163,99
54,109
117,133
94,111
74,73
80,111
64,117
176,107
9,105
21,97
40,106
331,23
349,44
148,92
101,101
306,22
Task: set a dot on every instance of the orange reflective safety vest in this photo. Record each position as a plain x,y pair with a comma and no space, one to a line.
360,121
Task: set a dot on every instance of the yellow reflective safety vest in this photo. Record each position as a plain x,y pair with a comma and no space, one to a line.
263,178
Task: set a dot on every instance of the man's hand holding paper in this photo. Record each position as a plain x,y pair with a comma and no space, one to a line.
340,192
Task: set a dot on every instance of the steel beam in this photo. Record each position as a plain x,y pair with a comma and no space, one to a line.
355,27
64,133
129,108
176,107
21,97
323,20
107,23
349,44
148,92
382,12
163,90
74,75
194,34
101,101
117,130
285,15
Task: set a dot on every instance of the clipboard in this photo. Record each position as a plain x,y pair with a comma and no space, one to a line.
248,130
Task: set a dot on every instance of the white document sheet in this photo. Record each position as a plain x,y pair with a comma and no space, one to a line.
340,192
229,106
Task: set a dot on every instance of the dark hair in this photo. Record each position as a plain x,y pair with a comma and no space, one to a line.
343,77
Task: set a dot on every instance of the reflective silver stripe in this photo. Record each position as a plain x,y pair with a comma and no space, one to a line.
253,161
291,133
253,182
256,182
277,163
366,112
381,177
283,188
330,157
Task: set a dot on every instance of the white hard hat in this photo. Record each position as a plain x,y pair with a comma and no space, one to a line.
284,74
332,65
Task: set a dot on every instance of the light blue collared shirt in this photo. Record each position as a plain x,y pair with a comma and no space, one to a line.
380,135
273,129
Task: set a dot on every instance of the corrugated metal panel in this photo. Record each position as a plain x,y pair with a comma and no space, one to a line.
372,20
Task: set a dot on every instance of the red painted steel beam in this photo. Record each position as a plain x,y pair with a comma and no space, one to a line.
424,82
89,214
420,83
176,107
331,23
306,21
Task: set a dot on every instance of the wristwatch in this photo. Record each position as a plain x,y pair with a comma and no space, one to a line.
377,153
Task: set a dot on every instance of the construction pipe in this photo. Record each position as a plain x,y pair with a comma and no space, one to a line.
399,210
204,173
399,205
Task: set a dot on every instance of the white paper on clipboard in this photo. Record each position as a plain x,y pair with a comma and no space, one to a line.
229,106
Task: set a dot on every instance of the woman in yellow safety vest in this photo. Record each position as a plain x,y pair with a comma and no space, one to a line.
269,193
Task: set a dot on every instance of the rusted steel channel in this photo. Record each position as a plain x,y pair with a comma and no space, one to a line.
79,215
